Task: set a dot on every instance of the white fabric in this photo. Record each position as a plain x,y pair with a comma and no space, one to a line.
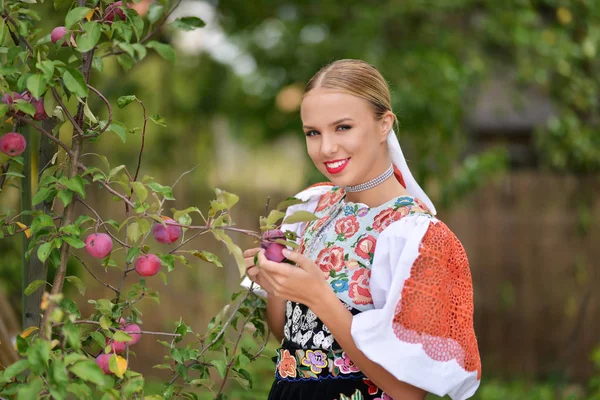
372,330
310,197
399,161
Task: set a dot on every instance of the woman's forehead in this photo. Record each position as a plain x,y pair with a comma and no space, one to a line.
325,105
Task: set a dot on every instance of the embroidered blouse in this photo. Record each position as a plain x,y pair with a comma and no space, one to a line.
406,279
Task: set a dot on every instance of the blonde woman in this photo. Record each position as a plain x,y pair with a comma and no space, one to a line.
380,304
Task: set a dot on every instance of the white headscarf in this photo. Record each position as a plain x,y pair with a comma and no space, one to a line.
399,161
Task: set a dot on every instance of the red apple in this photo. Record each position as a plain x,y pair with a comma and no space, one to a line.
131,329
147,265
169,234
117,347
40,112
57,34
102,361
12,144
98,245
274,252
111,10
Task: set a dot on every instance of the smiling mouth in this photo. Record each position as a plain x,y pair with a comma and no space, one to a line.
335,167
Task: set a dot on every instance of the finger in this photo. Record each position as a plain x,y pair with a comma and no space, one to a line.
273,268
252,272
251,252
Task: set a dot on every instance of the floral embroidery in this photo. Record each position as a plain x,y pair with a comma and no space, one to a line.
287,365
340,285
373,388
362,211
346,227
357,395
436,307
316,360
365,247
330,258
403,201
359,290
352,264
329,198
320,222
345,364
422,205
387,216
348,210
383,397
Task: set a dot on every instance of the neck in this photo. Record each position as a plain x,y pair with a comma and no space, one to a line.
379,194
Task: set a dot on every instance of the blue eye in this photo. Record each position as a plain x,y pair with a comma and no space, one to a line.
344,127
311,133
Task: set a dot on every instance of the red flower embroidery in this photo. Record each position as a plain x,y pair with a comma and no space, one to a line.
422,205
365,246
373,389
387,216
331,258
360,291
287,365
329,198
347,226
320,223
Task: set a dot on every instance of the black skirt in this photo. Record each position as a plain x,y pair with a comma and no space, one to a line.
304,374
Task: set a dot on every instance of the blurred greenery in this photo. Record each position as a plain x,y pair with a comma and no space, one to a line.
249,66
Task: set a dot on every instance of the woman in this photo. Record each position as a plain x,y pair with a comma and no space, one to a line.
380,304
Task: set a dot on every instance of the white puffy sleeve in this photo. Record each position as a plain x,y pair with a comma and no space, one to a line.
311,197
421,329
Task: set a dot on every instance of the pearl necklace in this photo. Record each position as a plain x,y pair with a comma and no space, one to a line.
372,183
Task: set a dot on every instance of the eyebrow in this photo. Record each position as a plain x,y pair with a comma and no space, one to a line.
339,121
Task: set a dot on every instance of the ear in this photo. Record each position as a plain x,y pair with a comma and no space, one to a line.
386,123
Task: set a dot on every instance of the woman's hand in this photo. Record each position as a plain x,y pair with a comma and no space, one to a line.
297,283
254,273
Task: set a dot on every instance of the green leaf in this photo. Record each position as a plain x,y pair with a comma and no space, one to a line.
208,257
98,64
80,390
290,201
274,217
74,242
41,221
188,23
127,48
155,12
42,194
300,216
66,196
77,185
164,50
158,120
88,40
98,338
73,334
33,286
140,50
166,191
27,108
119,129
3,110
168,261
125,61
133,232
59,4
50,102
125,100
47,68
75,82
78,283
220,366
132,253
140,191
38,355
15,369
75,15
31,390
88,113
121,336
229,199
36,84
88,371
232,248
44,251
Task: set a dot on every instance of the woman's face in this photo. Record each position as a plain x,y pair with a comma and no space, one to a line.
343,138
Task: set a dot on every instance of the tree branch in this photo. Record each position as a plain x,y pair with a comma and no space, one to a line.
45,133
108,106
66,111
94,276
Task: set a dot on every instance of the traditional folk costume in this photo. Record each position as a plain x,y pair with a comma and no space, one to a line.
404,276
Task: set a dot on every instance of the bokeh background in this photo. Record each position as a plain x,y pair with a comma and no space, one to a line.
498,103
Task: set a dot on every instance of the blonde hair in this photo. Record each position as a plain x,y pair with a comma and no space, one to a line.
357,78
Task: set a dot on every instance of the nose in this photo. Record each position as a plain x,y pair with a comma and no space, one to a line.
329,145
